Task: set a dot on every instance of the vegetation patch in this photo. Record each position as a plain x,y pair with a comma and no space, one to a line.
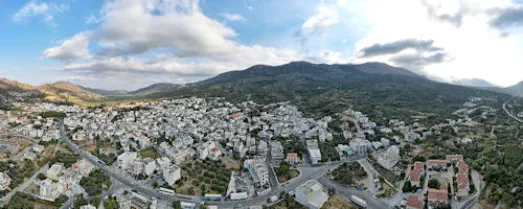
286,173
202,177
95,182
337,202
53,114
149,153
348,173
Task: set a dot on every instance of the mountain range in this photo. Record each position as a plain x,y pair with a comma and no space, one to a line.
320,89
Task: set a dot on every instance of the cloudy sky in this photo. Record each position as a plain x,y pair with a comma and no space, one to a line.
127,44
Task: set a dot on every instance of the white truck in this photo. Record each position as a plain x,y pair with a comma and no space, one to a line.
358,201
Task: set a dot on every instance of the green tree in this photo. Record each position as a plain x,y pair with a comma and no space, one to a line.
434,183
177,204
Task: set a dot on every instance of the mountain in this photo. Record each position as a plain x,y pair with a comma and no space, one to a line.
66,91
155,88
319,89
474,82
516,89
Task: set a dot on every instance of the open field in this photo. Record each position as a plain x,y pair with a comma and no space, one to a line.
337,202
201,177
149,153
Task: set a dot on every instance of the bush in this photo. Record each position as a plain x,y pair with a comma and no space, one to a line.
434,183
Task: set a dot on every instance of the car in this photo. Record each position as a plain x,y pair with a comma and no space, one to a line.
238,206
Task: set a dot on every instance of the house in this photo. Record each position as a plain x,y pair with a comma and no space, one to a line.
139,201
415,202
38,148
416,173
277,153
5,181
438,196
172,174
462,179
390,158
125,160
55,171
150,167
292,158
50,190
314,151
30,156
83,167
258,171
311,194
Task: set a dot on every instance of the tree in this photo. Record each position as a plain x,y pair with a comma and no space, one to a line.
434,183
283,169
111,203
41,176
407,187
177,204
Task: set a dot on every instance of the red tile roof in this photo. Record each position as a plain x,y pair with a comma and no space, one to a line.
416,173
415,202
438,195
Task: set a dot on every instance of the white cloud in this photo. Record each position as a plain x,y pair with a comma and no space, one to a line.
474,48
74,48
325,17
92,19
44,10
132,33
233,17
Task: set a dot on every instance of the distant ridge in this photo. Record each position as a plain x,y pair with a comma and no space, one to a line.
474,82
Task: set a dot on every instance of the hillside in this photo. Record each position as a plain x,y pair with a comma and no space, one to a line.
155,88
66,91
516,89
319,89
14,91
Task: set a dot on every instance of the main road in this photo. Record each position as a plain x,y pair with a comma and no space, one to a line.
306,173
508,112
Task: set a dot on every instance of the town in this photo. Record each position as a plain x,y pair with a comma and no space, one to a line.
210,153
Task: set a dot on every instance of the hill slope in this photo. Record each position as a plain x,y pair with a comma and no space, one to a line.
66,91
319,89
516,89
155,88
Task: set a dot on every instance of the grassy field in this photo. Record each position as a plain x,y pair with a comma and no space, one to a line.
337,202
149,153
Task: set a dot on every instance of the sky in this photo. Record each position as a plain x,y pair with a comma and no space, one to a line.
128,44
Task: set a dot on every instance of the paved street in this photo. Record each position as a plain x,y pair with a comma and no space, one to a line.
508,112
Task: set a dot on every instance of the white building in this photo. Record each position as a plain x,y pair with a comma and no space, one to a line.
172,174
390,158
314,151
311,194
87,207
125,160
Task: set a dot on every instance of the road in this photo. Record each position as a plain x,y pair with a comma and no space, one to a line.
306,173
508,112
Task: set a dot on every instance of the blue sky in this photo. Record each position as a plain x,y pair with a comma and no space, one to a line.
127,44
